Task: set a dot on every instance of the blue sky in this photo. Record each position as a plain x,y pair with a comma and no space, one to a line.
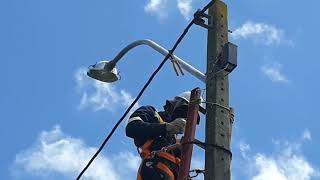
54,117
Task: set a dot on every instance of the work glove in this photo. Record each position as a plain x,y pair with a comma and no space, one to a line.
177,126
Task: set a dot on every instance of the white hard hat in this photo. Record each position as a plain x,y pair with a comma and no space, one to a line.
186,96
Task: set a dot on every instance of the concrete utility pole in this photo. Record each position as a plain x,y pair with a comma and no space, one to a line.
218,125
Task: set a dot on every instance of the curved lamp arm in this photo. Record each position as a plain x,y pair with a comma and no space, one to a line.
199,75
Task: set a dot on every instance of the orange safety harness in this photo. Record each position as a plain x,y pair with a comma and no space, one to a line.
145,153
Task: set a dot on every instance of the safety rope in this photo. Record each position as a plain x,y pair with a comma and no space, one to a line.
196,142
217,104
142,90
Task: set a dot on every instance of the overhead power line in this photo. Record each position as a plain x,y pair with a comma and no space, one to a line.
142,90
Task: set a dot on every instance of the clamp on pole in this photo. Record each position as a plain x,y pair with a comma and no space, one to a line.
199,19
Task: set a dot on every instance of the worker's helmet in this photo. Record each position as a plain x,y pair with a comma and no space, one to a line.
186,96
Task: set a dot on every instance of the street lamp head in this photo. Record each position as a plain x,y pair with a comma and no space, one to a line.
104,71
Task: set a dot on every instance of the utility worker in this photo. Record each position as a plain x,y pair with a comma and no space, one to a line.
152,130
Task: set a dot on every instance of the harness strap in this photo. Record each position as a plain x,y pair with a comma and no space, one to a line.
166,170
145,153
145,150
169,157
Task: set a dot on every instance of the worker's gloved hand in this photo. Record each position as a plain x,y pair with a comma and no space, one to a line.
177,126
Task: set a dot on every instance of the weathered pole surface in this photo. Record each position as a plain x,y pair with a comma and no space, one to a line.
189,134
218,126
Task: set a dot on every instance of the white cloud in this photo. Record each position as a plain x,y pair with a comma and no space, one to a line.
273,72
160,8
260,33
185,8
306,135
99,95
285,163
132,162
267,169
157,7
282,167
55,153
244,149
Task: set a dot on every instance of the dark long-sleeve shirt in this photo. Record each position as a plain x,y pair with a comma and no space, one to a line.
144,124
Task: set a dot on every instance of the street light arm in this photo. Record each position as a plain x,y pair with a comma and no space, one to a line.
199,75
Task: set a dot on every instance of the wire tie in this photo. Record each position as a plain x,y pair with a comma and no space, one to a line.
217,104
180,69
174,67
175,64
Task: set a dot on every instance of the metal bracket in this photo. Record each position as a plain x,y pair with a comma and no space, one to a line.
199,19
